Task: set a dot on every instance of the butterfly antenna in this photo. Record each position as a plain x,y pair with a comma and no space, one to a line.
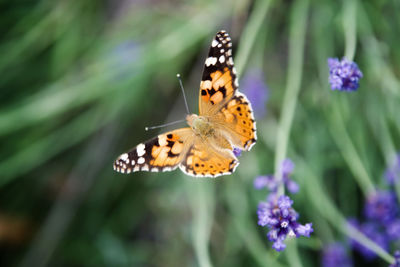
162,125
183,92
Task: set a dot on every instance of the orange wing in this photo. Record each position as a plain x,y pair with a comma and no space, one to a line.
203,160
162,153
219,81
236,121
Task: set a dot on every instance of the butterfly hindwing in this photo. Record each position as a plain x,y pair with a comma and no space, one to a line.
204,161
219,81
237,121
162,153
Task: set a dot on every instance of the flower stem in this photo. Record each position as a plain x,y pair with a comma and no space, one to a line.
349,152
296,48
349,27
203,205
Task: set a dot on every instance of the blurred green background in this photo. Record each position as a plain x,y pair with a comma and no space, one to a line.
81,79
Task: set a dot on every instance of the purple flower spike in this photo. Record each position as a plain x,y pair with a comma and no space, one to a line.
344,75
281,219
381,207
335,255
397,259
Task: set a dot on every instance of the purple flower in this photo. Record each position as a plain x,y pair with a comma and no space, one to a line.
373,232
335,255
254,87
287,169
237,152
393,230
397,259
343,75
392,174
381,207
281,219
269,181
266,181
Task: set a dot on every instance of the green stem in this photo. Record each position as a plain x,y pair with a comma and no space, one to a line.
349,152
293,254
296,52
203,205
349,27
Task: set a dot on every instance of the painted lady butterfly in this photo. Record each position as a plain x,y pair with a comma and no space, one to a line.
225,122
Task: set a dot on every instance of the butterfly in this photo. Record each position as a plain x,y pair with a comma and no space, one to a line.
205,148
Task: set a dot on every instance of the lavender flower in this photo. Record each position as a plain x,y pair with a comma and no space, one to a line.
343,75
392,174
269,181
393,230
287,169
237,152
381,207
335,255
397,259
266,181
256,91
281,219
373,232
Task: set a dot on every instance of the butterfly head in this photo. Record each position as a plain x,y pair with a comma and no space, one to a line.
200,125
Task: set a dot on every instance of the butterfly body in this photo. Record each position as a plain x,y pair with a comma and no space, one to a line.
205,148
201,125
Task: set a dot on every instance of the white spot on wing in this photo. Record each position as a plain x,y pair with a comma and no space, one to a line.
140,160
230,61
140,149
124,156
222,59
145,167
214,43
211,61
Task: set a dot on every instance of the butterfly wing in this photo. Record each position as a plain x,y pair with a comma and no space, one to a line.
220,99
219,81
236,121
206,160
162,153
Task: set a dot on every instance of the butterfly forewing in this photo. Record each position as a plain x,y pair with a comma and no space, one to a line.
162,153
219,82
